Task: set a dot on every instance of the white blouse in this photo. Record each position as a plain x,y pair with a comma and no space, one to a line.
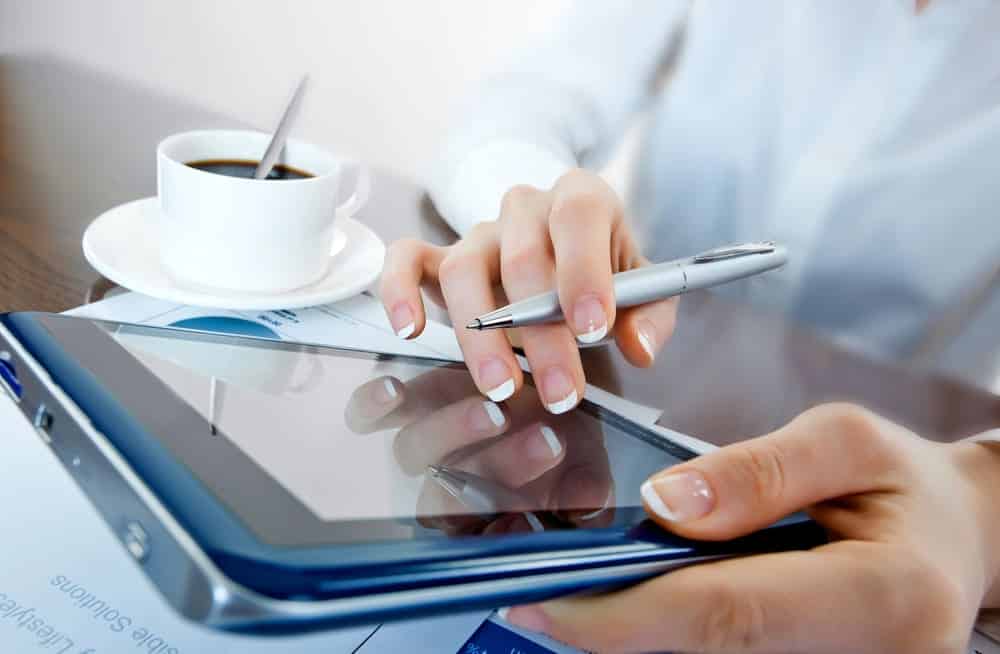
863,135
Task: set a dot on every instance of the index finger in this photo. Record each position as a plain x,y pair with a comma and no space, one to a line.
467,277
408,264
581,221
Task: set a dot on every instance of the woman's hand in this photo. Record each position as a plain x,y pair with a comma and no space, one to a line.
914,528
571,238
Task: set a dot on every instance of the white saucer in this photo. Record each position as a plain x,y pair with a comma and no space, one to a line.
122,244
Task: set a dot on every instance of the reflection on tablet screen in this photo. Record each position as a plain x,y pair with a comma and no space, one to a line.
356,437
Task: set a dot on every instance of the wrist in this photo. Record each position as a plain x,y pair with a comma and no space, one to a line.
980,463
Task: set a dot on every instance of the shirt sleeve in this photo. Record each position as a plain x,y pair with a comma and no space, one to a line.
563,102
991,436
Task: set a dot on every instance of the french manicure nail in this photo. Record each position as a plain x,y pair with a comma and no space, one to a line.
645,333
678,497
402,320
494,413
484,417
495,375
589,320
558,390
387,393
544,445
551,440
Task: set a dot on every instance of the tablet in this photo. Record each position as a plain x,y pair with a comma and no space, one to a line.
270,486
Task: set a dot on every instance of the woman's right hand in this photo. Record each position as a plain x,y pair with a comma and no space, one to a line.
572,238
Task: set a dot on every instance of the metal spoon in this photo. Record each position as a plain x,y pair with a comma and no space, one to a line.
281,131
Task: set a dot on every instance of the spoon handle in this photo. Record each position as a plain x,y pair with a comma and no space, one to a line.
281,132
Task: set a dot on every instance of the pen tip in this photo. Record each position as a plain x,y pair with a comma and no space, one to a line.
475,324
435,470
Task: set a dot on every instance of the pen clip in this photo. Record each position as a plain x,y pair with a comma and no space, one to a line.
733,251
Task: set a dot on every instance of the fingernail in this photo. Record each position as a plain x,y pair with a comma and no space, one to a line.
645,333
599,510
589,319
544,445
487,417
678,497
560,394
387,393
495,375
528,617
402,320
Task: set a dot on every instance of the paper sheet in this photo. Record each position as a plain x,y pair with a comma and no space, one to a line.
356,323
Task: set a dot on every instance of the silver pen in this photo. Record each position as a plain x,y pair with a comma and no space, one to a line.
650,283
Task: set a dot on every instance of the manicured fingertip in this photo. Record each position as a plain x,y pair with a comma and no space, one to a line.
542,445
551,440
645,334
388,392
495,414
403,321
590,322
496,379
678,497
558,391
563,405
642,331
501,392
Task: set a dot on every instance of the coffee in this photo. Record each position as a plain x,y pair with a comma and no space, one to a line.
245,168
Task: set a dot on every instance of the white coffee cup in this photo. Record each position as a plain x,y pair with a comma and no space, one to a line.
247,235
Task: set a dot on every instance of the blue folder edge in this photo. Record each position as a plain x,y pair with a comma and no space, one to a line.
495,637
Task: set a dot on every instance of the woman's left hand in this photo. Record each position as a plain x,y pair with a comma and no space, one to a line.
914,529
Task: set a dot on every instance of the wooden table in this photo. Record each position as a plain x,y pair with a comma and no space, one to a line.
74,143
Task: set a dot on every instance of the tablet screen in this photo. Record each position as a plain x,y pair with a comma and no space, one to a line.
356,437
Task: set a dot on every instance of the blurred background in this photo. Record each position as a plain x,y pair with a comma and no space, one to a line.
385,75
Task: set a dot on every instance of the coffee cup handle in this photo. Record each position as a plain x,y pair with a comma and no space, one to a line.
358,199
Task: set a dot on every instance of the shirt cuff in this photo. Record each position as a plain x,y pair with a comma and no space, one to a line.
478,182
991,436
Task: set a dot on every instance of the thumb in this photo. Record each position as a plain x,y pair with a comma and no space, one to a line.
827,452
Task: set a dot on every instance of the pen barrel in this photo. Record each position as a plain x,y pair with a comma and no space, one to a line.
657,282
705,275
650,283
540,309
632,288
